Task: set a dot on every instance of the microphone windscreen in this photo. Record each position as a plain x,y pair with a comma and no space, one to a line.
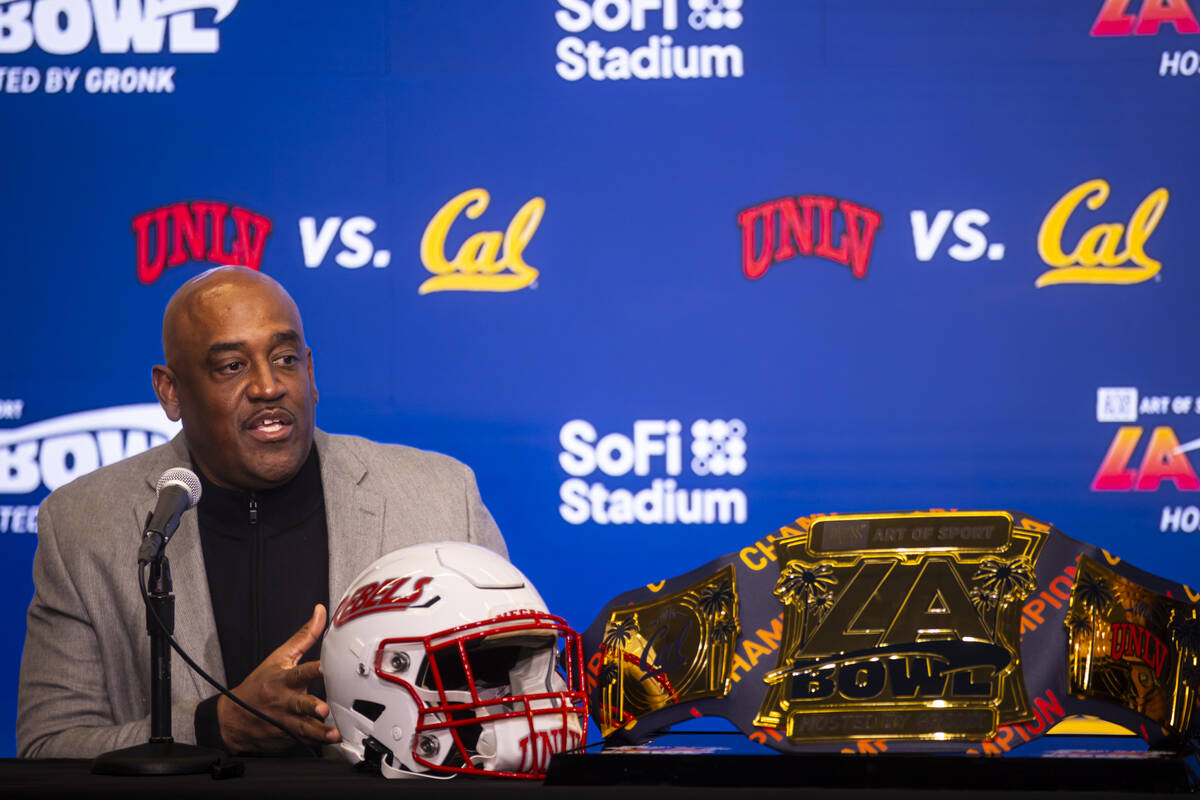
183,477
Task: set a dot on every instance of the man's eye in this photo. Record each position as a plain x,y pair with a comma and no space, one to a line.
230,367
287,360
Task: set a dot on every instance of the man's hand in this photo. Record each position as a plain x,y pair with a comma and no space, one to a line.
278,688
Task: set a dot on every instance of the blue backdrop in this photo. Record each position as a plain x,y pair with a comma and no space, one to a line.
666,273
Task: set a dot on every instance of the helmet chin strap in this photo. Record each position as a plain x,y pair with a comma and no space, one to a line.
389,771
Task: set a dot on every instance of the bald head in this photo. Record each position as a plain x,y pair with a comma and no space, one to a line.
201,295
239,375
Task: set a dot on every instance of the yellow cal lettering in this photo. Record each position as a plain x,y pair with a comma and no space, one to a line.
487,261
1095,257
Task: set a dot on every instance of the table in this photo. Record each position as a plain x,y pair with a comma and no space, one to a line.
610,776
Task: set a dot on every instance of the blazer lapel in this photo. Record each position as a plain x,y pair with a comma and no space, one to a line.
354,515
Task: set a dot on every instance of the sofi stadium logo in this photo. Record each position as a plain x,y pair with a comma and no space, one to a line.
1149,456
200,230
648,39
648,477
45,455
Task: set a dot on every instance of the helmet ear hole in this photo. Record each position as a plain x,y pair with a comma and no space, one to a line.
371,711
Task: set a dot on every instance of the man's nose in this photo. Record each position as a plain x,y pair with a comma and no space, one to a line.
264,383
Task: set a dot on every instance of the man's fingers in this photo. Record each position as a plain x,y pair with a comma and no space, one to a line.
316,732
301,675
294,648
306,705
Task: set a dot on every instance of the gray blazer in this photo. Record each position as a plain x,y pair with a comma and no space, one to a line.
85,682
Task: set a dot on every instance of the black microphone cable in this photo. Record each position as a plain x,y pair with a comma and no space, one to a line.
313,749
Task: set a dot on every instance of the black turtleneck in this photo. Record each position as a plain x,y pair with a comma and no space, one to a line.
266,554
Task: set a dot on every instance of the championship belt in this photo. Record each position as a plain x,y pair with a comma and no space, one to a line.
951,631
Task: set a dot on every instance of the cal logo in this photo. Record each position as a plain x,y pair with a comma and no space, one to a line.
488,261
1109,252
901,627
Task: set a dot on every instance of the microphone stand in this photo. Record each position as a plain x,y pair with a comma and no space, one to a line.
162,755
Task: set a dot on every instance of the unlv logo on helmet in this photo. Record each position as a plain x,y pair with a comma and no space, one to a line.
381,597
482,680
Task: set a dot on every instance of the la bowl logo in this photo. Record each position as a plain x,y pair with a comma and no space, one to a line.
63,27
1148,457
718,449
1153,18
1147,21
55,451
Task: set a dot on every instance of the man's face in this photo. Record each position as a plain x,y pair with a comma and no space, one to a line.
240,377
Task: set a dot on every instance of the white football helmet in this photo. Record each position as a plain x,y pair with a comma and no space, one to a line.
442,659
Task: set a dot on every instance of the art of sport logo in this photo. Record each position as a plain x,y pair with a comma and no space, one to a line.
686,39
207,231
716,452
42,456
1148,456
838,230
1167,18
68,27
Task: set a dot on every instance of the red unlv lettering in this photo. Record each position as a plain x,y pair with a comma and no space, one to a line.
1139,643
785,228
378,597
174,234
537,748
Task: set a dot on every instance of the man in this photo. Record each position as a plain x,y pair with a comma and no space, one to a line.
289,515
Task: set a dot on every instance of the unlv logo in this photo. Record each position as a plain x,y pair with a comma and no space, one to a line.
537,748
778,230
198,231
383,596
1138,643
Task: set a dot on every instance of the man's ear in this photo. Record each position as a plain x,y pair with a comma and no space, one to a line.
312,381
168,395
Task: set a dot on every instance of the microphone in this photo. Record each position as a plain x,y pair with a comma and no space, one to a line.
178,490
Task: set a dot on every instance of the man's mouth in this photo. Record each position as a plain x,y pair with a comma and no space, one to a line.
271,425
